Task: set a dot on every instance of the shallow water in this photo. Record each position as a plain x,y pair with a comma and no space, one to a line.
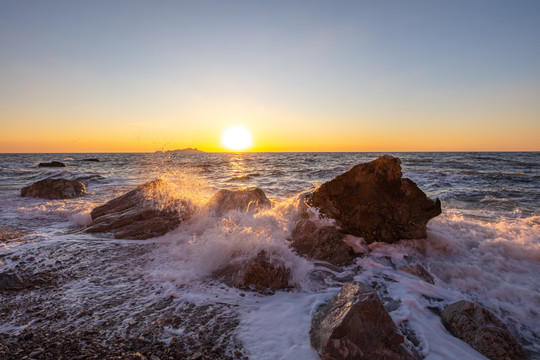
485,247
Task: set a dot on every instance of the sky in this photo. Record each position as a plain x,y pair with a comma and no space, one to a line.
137,76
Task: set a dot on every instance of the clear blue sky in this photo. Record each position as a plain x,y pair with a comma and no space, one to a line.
312,75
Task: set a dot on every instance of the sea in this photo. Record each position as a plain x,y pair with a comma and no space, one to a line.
484,247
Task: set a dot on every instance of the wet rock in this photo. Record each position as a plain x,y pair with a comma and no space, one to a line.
91,160
145,212
482,330
324,243
9,280
373,201
419,271
241,199
260,273
355,325
52,164
54,189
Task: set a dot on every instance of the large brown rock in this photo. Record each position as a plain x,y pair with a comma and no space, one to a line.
321,243
355,325
373,201
260,273
54,189
145,212
482,330
241,199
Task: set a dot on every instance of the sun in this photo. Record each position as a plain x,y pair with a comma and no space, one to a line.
236,138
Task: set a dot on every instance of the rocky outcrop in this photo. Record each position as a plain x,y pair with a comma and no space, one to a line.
52,164
260,273
54,189
324,243
373,201
145,212
241,199
355,325
482,330
418,271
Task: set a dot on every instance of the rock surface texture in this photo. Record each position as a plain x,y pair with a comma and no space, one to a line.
373,201
260,273
145,212
52,164
324,243
355,325
54,189
242,200
482,330
418,271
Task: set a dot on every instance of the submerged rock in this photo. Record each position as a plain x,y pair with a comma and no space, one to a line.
52,164
90,160
260,273
324,243
54,189
373,201
241,199
355,325
418,271
482,330
145,212
9,280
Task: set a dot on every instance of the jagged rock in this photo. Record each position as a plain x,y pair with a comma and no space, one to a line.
52,164
482,330
261,273
241,199
8,280
373,201
54,189
355,325
419,271
145,212
324,243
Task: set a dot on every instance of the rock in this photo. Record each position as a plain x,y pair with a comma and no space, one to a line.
324,243
260,273
54,189
52,164
355,325
482,330
242,199
145,212
91,160
373,201
419,271
8,280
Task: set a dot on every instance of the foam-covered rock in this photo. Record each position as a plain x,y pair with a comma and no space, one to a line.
54,189
145,212
355,325
374,202
481,329
322,243
418,271
263,272
240,199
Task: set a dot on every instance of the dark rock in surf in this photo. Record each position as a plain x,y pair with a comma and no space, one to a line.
482,330
355,325
324,243
52,164
54,189
90,160
9,280
145,212
241,199
260,273
373,201
418,271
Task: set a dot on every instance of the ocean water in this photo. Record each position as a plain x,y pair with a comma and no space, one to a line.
485,246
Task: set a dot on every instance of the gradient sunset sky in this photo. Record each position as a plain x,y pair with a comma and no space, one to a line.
108,76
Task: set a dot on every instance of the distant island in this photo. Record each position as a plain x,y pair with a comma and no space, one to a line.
186,150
